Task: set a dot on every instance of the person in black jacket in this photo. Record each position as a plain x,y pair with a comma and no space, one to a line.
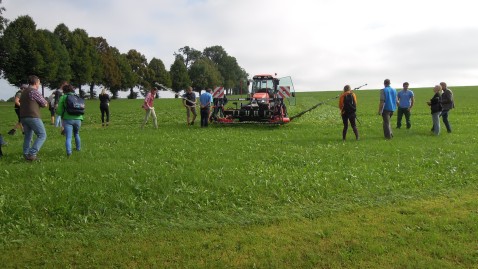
448,103
104,107
436,108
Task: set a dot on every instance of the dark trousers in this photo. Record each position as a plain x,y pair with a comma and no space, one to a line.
204,116
346,118
444,116
400,113
387,128
105,109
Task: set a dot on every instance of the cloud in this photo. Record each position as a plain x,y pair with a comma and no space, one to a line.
322,44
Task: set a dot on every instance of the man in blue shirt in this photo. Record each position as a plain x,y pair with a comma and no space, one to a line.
205,100
405,104
388,104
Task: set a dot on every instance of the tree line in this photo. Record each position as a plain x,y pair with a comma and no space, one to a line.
64,55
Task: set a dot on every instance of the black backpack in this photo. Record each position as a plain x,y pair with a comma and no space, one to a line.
349,104
74,104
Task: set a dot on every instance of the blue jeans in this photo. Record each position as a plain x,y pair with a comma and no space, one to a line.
72,127
436,122
444,116
30,126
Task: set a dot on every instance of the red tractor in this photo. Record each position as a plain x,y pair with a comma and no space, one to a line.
265,104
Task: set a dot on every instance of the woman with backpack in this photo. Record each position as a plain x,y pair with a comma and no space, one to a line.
348,107
71,118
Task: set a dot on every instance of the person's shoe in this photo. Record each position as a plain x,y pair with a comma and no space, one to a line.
192,122
12,132
30,157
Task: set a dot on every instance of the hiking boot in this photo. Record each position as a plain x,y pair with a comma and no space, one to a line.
12,132
30,157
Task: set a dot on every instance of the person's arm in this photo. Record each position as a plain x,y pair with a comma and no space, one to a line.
36,96
382,102
17,100
341,102
412,102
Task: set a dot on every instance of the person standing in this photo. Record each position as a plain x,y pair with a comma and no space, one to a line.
436,109
104,107
71,123
348,108
58,94
189,102
388,104
448,103
31,101
17,109
405,102
205,100
148,106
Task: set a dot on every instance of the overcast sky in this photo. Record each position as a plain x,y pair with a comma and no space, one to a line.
321,44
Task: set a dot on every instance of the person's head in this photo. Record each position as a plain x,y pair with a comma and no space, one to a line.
103,91
347,88
209,90
68,88
386,82
437,88
405,85
189,89
63,83
34,81
443,85
23,86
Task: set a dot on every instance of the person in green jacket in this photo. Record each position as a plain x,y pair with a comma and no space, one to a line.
71,123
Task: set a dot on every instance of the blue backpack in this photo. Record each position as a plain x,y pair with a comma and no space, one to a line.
75,105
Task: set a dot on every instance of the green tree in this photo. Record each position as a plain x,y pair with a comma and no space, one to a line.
139,65
230,70
204,74
83,58
179,75
128,77
159,72
3,21
19,50
189,55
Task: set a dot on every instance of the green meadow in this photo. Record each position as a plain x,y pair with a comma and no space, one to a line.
247,196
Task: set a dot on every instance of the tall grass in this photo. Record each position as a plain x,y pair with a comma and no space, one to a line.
187,186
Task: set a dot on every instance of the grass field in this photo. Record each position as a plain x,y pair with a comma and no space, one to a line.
291,196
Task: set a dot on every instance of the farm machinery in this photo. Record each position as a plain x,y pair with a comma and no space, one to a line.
265,104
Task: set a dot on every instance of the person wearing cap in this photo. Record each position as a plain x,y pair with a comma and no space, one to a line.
149,108
17,109
205,100
405,103
31,101
104,107
388,104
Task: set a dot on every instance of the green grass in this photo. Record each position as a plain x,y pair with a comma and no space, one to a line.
245,196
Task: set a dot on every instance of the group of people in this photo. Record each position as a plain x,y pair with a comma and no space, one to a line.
189,101
390,101
29,101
